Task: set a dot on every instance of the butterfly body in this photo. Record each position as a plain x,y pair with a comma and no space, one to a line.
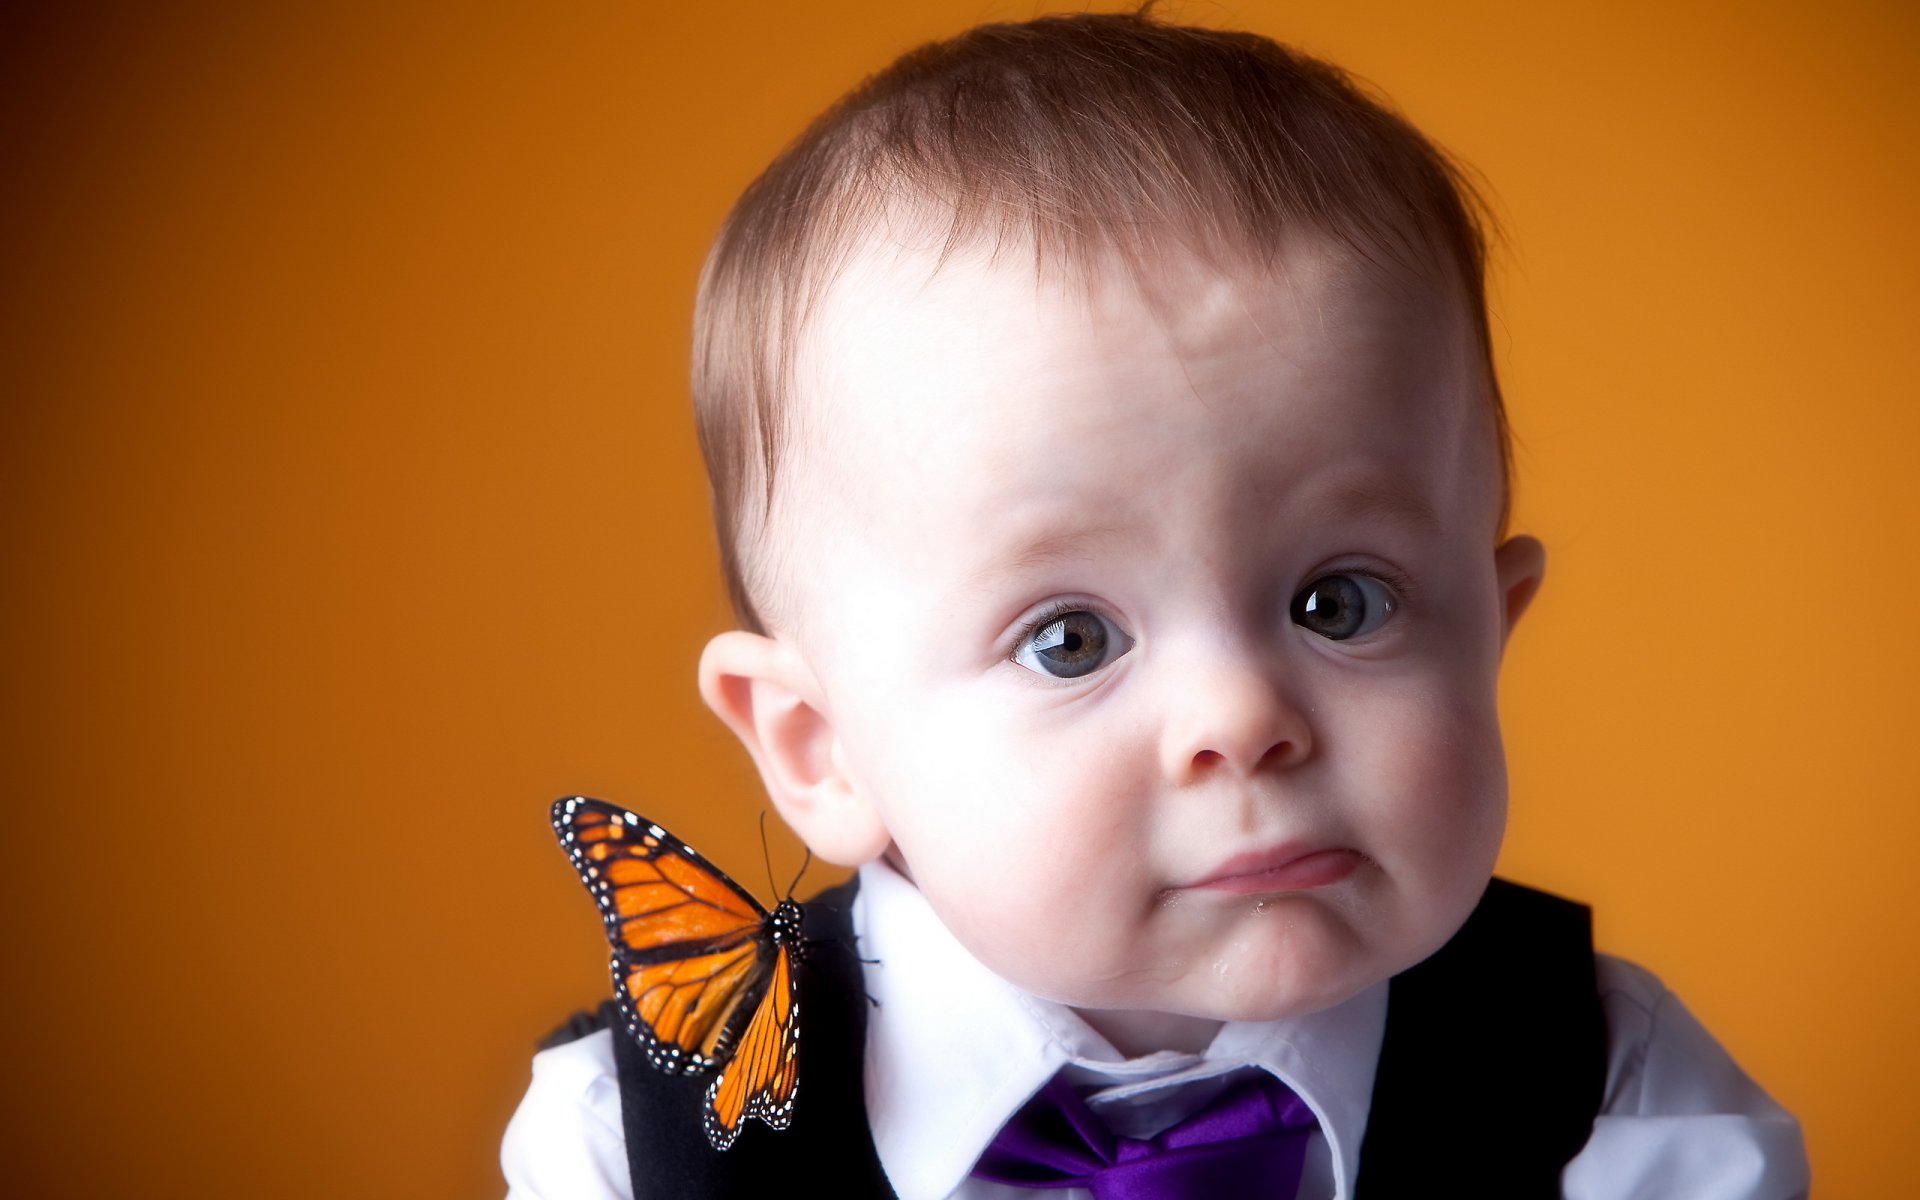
703,974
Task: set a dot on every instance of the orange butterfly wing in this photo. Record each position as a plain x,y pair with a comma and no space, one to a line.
763,1075
702,973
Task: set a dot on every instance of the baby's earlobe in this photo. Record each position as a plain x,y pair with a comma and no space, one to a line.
839,824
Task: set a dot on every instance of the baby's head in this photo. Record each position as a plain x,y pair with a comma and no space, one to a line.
1111,480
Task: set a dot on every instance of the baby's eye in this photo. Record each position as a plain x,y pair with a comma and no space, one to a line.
1071,645
1343,606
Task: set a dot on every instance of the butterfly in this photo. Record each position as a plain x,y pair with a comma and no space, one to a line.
702,974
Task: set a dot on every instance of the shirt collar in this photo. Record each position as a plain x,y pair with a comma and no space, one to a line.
953,1050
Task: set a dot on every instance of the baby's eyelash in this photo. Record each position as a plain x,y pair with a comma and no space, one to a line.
1402,586
1048,615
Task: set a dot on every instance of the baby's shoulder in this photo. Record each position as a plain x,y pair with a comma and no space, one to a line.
1679,1114
565,1139
1631,997
1654,1043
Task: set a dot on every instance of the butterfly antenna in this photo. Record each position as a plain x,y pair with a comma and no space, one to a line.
766,860
804,864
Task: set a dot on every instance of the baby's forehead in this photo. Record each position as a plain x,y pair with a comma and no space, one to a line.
914,311
909,349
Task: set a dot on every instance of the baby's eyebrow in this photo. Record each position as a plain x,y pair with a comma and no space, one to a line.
1376,498
1020,555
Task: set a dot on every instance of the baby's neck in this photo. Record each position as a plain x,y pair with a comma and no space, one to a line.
1137,1034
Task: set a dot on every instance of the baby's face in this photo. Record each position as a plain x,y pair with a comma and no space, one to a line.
1161,634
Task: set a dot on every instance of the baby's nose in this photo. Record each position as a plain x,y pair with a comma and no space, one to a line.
1233,715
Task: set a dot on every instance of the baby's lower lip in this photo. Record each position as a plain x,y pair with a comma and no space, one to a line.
1309,871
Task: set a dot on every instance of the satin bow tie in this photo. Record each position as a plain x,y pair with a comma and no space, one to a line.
1250,1142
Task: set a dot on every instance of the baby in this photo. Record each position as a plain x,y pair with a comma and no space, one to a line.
1112,483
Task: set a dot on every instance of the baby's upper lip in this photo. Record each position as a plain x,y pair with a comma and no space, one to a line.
1260,862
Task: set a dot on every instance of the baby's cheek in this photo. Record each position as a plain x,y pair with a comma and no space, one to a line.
1012,929
1034,914
1453,789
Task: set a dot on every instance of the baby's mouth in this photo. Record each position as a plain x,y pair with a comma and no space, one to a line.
1289,867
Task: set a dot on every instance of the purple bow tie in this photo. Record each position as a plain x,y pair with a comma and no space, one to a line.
1248,1143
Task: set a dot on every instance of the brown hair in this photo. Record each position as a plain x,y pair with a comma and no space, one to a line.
1077,133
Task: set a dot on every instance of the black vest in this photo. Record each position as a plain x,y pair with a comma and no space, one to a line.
1491,1072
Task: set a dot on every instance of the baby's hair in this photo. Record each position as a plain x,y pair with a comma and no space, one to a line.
1076,135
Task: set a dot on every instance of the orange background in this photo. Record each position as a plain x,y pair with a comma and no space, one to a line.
352,513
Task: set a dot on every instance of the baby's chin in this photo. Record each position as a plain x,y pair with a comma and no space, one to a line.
1310,968
1212,992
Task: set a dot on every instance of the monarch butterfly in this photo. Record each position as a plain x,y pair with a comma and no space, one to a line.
702,974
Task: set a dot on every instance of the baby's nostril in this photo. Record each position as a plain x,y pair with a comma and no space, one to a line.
1279,752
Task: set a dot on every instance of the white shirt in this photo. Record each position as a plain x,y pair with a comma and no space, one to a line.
953,1051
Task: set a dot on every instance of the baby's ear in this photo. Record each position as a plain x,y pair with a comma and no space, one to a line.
766,694
1519,564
